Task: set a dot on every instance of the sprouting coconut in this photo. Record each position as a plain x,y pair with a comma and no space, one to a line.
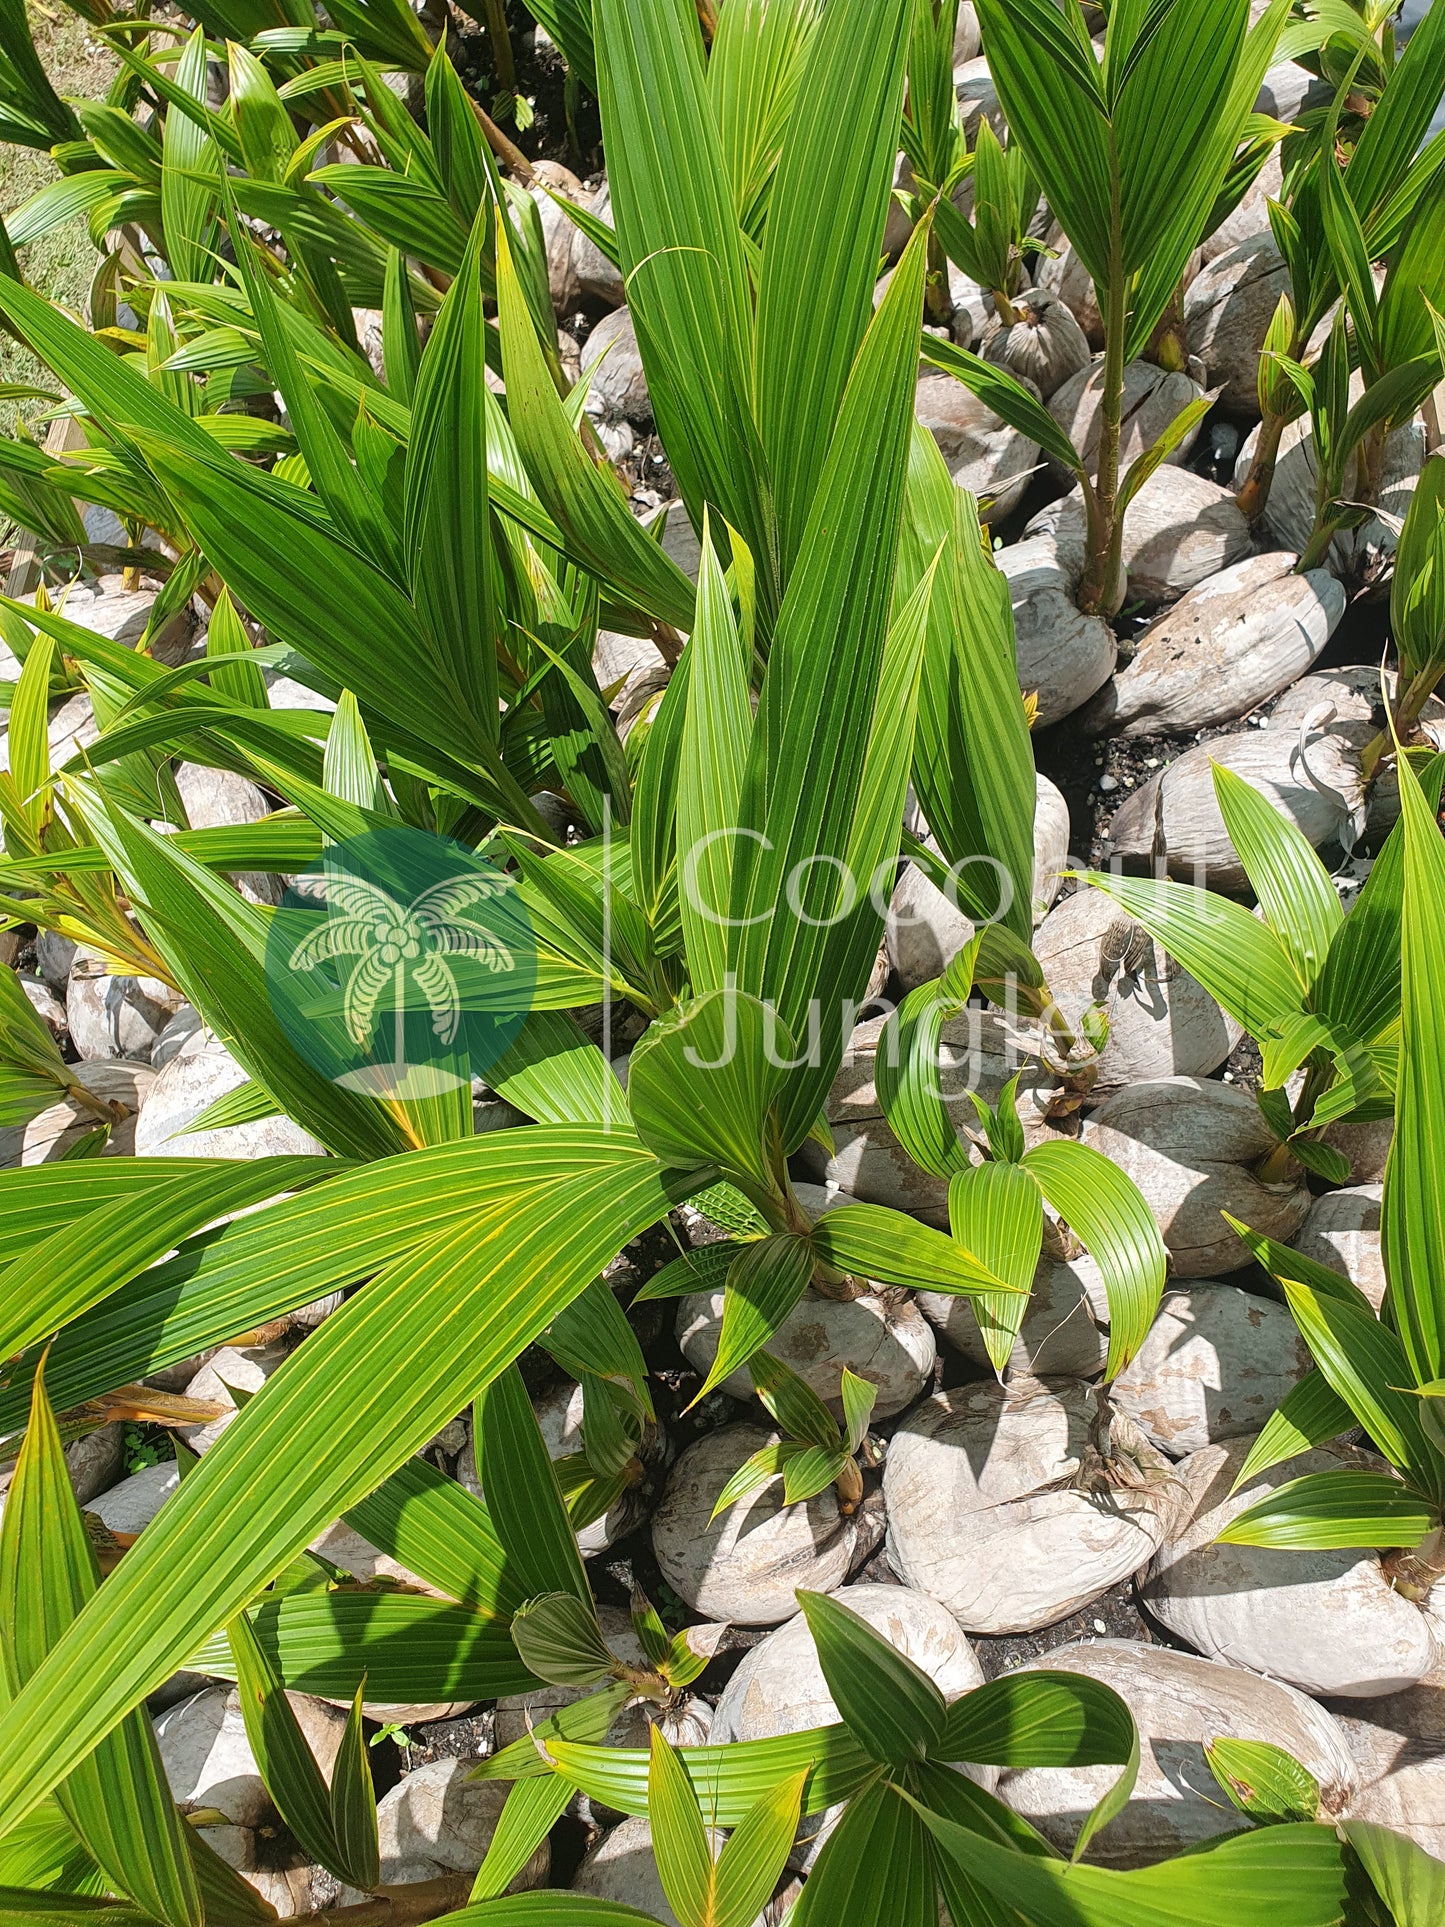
1000,1504
1228,307
1328,1622
438,1820
1213,1366
1037,339
1162,1022
1194,1149
212,1773
1065,1333
1180,1704
746,1564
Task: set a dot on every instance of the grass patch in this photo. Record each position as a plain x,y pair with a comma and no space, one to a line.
60,264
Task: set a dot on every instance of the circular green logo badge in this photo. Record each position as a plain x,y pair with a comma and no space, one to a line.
401,964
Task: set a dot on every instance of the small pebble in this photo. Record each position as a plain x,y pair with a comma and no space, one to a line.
1100,1627
1107,783
1224,441
1151,762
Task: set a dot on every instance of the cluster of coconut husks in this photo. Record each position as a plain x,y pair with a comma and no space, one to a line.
976,1547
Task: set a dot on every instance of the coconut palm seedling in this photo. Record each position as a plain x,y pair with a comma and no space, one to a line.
909,1834
1352,190
996,1207
1417,605
150,187
30,499
33,1074
993,246
116,1799
1382,1373
1134,184
513,1559
31,112
991,243
1317,989
471,1246
53,873
989,247
1389,333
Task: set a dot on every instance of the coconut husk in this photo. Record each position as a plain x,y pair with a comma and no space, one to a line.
1289,514
559,235
926,927
1052,826
1318,784
889,1343
1222,650
967,38
1284,92
1251,217
1215,1364
974,313
559,1419
438,1821
779,1688
119,1084
1227,311
1152,398
621,1868
612,364
1354,694
978,98
1398,1745
1062,654
1343,1232
1065,1333
924,930
1180,1704
598,279
1191,1146
1366,1147
1326,1622
986,1512
1064,274
111,1016
1179,530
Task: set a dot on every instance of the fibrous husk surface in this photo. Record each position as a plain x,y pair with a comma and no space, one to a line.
1226,646
984,1511
1327,1622
1179,1704
1192,1146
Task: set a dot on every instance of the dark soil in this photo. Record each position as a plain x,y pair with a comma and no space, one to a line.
566,124
1115,1616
